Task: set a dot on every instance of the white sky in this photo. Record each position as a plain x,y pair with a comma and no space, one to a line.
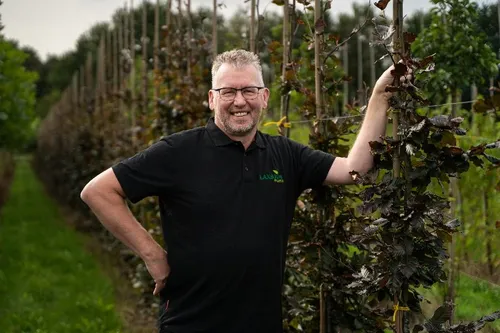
53,26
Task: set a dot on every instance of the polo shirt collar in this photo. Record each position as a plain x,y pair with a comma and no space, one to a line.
221,139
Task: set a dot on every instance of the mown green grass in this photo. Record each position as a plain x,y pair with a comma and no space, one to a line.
475,298
48,283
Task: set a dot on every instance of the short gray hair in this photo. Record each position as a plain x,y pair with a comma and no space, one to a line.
237,58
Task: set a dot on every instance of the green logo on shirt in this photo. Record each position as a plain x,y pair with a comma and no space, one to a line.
275,177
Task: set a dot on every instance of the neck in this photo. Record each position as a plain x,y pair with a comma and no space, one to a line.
246,140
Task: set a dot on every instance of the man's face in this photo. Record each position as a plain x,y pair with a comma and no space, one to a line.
240,116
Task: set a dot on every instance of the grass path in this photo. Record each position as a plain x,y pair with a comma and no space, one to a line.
48,282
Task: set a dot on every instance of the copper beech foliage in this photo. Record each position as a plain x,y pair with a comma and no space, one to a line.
404,226
360,260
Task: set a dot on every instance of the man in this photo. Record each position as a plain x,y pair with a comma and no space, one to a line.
227,197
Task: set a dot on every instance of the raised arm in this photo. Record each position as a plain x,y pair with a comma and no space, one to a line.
360,158
106,199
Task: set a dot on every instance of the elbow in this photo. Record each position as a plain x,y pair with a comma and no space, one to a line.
85,193
361,168
89,191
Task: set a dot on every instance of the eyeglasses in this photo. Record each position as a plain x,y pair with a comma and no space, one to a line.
229,94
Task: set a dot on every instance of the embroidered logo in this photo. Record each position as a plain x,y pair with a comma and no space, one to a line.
274,176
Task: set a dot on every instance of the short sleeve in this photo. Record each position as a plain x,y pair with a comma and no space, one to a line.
150,172
312,165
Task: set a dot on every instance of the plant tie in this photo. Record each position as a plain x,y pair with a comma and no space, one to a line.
399,308
280,123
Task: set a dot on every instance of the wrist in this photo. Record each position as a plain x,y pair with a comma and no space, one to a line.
153,253
379,95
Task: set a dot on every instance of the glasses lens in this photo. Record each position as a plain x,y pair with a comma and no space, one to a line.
227,94
250,93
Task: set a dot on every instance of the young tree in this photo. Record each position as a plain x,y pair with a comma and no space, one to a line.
460,48
463,57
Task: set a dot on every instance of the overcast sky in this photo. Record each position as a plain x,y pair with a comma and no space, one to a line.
53,26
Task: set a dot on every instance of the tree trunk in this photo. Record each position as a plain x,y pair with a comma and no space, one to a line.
373,77
489,250
455,212
286,60
144,59
252,26
156,73
318,32
214,31
398,47
361,93
133,120
345,62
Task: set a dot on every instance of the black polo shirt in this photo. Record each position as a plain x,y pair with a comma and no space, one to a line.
226,216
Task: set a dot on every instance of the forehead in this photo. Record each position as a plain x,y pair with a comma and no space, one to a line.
237,77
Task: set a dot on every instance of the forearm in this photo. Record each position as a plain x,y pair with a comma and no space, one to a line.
113,212
374,126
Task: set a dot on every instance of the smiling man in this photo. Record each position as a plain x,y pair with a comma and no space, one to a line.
227,195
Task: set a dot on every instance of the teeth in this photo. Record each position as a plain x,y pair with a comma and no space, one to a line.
240,114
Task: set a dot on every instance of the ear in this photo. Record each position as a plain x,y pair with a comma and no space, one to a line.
211,99
265,96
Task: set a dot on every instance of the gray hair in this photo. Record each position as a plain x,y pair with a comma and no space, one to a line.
238,59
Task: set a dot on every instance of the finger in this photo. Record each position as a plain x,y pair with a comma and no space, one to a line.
158,288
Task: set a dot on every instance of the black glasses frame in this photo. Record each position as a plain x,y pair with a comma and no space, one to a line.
240,89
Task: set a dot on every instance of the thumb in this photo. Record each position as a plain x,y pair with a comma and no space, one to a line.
159,285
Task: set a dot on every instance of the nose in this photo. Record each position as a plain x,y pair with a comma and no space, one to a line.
239,99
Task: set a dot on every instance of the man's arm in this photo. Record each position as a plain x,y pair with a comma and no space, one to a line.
106,199
360,158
